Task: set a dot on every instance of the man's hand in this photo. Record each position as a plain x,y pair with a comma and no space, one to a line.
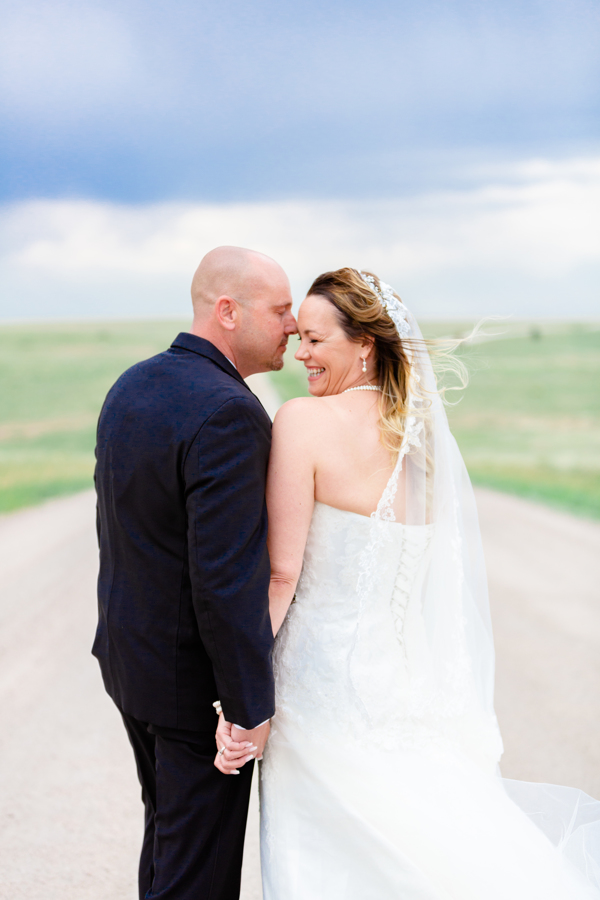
232,754
258,736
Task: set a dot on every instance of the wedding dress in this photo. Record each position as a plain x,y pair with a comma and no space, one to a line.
380,778
375,814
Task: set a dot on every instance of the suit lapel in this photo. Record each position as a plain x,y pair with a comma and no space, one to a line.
187,341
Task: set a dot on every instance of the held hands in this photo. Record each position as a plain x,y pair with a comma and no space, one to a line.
258,736
236,747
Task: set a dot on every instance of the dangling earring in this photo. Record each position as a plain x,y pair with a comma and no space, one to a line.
364,367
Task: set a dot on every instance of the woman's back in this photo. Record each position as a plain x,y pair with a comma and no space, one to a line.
341,438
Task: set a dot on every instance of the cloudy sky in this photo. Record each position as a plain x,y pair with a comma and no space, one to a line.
451,145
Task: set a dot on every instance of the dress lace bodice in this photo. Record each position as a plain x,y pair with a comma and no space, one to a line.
330,643
367,792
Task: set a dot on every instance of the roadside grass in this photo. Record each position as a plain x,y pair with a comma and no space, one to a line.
529,421
53,380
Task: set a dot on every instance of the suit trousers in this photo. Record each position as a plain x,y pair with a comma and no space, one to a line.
195,817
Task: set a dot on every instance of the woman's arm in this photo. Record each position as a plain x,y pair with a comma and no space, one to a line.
290,500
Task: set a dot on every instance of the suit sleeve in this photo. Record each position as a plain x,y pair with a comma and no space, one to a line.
225,476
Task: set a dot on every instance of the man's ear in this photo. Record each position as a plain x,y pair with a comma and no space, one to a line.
226,311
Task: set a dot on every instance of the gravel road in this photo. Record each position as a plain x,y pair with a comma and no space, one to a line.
544,577
71,816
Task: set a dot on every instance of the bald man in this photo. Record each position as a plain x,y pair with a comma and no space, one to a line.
182,453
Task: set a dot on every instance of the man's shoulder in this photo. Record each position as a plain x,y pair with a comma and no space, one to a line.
184,373
139,371
186,387
236,404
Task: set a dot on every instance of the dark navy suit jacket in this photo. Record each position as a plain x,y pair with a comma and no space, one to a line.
182,453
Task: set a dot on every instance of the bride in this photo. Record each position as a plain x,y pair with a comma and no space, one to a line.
380,779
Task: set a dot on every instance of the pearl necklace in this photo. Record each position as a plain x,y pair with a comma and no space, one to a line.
363,387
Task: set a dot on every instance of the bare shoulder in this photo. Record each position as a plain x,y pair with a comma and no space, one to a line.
301,419
300,410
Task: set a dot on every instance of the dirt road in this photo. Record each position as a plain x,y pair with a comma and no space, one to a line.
544,576
71,819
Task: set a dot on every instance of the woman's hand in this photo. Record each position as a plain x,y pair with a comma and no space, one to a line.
258,735
231,755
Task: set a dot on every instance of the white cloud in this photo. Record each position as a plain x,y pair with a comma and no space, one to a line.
519,244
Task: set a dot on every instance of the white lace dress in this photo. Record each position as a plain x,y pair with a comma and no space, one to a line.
369,807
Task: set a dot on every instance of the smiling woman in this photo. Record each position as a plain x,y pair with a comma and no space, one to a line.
529,422
324,351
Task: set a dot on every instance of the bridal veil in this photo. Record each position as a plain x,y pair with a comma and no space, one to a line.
444,692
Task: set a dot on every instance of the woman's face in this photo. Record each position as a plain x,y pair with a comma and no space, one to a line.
333,362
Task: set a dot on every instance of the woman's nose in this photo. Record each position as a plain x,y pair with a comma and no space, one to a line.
301,352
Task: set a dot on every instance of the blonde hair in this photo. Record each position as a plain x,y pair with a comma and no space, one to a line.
362,315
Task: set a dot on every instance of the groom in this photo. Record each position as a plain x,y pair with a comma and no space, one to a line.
182,453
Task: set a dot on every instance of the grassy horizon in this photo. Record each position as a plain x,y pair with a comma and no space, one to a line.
54,377
529,422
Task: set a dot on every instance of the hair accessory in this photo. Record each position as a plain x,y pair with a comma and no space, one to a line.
394,308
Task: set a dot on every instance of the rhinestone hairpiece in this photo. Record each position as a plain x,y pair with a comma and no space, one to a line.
394,308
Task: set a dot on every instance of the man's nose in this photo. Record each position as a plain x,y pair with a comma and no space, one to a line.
291,326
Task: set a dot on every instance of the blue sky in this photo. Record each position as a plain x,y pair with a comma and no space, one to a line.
130,105
138,101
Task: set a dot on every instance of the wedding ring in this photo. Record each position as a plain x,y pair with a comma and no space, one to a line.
222,750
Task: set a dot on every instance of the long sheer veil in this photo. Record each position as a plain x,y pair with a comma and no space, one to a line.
443,690
445,687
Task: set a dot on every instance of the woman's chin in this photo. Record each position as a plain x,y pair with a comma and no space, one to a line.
316,388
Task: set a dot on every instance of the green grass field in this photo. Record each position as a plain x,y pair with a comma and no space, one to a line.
53,379
528,423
